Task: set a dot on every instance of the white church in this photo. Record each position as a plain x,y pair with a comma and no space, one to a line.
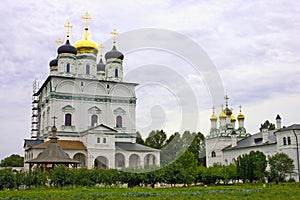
227,140
94,107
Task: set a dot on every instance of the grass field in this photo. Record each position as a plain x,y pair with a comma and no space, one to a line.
241,191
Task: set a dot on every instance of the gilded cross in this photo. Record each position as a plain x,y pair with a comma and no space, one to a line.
54,118
240,108
68,26
101,47
58,42
86,17
213,108
114,33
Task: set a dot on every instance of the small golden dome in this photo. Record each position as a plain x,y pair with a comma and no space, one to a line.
213,117
241,116
222,115
232,118
227,111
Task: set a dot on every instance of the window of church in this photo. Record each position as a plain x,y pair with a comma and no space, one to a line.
68,119
87,69
94,120
68,68
284,141
289,140
98,140
107,86
104,140
213,154
116,73
119,122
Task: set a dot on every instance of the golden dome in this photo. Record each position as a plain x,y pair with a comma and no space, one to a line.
232,118
86,45
240,116
222,115
213,117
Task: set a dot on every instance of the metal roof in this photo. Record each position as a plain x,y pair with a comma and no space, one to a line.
254,140
128,146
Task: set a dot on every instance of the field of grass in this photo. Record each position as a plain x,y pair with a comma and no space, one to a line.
241,191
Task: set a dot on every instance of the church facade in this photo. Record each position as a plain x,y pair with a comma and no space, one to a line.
226,142
93,108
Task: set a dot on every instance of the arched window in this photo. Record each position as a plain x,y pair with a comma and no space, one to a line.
119,122
289,140
94,120
68,68
68,119
116,73
284,141
87,69
213,154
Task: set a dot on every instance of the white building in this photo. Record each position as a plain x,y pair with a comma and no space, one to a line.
95,109
226,141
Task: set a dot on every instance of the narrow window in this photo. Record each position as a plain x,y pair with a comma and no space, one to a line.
213,154
87,69
98,140
119,122
68,119
284,141
289,140
107,86
104,140
116,73
68,68
94,120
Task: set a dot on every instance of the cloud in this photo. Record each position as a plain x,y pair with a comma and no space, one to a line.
254,46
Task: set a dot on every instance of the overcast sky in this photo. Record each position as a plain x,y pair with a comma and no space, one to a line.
253,45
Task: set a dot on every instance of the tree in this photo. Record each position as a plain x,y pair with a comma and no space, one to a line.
172,149
156,139
12,161
139,138
251,166
268,125
197,147
7,179
62,176
280,165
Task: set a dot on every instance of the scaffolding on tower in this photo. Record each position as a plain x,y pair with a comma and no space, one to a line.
35,113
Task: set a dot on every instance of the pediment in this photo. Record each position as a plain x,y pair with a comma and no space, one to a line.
100,129
119,111
68,108
94,110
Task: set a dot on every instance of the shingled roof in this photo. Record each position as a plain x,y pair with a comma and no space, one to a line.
65,144
53,154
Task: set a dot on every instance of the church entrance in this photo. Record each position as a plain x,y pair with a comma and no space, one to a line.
101,162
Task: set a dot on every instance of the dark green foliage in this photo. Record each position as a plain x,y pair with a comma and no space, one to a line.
35,178
281,165
269,125
197,147
12,161
7,179
62,176
156,139
139,138
251,166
